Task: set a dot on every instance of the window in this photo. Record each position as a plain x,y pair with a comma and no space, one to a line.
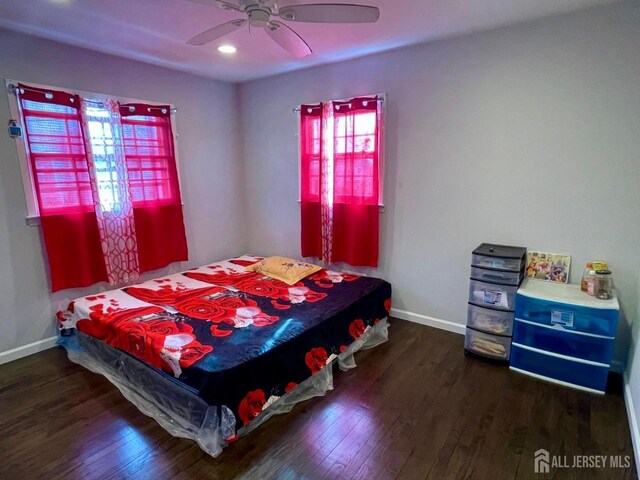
57,153
57,143
352,140
310,150
355,151
103,148
148,149
101,177
340,180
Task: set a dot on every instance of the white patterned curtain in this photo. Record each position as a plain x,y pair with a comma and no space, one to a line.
326,182
103,139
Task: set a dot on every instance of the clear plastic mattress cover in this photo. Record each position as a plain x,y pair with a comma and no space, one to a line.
178,408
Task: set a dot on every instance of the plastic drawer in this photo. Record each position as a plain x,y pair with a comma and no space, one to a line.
492,295
487,345
555,368
487,320
509,264
572,318
557,340
495,276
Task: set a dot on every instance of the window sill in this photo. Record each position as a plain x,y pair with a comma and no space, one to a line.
380,207
34,220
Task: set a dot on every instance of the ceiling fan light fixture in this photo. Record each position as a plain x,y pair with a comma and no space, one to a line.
227,49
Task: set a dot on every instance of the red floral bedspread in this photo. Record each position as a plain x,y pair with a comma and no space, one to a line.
239,338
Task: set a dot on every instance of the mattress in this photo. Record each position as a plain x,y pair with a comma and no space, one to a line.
231,337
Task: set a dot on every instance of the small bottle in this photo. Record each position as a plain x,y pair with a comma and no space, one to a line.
585,277
591,283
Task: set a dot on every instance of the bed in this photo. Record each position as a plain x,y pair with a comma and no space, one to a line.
213,352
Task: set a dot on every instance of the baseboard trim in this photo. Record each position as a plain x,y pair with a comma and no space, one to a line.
634,428
26,350
617,366
429,321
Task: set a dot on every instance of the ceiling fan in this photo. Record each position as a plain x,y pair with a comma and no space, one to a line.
260,13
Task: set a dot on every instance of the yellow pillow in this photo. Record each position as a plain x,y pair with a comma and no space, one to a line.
286,270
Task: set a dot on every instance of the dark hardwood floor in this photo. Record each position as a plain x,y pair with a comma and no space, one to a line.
415,407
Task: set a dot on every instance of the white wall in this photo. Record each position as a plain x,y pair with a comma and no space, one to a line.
527,135
210,170
632,386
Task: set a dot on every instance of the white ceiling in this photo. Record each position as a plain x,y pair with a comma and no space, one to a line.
156,31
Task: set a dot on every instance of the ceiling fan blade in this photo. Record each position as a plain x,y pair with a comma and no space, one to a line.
218,3
288,39
217,32
330,13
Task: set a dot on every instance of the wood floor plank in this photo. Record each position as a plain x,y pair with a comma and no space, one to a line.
414,408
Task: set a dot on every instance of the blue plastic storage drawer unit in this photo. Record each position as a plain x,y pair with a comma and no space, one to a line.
559,369
571,344
563,335
573,318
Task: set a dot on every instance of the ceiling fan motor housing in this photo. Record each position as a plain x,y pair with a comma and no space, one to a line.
258,17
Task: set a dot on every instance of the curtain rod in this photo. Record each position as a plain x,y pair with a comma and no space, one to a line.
16,89
297,109
13,88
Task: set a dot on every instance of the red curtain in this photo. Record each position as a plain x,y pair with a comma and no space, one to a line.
355,182
62,184
311,126
153,185
340,214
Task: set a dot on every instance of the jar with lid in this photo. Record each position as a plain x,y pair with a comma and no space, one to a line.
603,284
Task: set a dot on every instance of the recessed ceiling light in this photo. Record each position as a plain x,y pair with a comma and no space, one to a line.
228,49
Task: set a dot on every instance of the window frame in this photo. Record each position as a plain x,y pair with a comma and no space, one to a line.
165,201
32,217
382,105
300,149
